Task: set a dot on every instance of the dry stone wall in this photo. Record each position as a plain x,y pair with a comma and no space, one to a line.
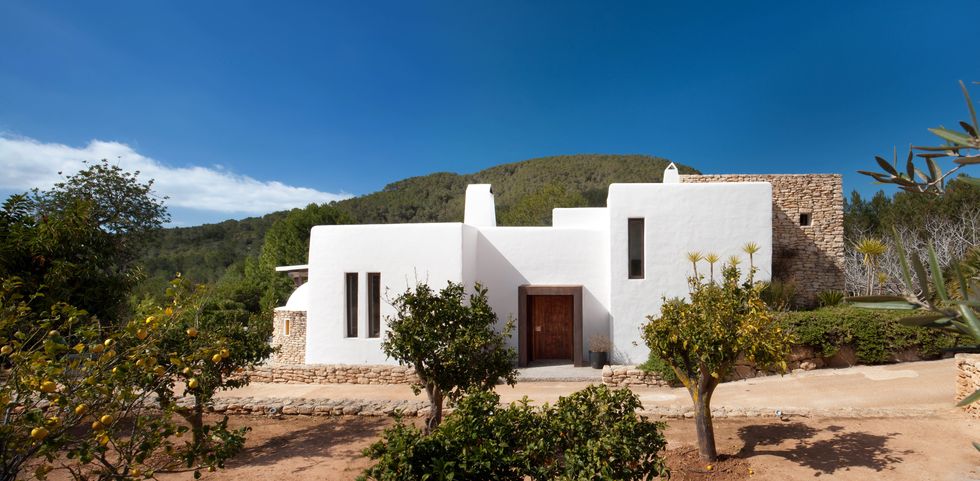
333,374
289,335
810,256
968,380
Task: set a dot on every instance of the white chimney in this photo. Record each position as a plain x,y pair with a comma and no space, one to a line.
671,176
480,209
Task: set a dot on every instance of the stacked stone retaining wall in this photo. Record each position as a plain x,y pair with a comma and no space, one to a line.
968,380
812,256
333,374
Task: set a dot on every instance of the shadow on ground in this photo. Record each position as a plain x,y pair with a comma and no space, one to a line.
825,451
317,440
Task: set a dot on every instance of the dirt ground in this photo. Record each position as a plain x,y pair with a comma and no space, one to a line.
934,448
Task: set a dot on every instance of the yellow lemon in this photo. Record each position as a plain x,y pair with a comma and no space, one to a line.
191,332
97,426
225,353
39,433
106,419
6,350
103,439
141,334
81,409
48,387
192,383
216,358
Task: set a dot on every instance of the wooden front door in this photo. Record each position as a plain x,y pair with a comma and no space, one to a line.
550,323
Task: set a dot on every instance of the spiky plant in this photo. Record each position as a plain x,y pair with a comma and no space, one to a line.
751,248
694,257
712,258
872,249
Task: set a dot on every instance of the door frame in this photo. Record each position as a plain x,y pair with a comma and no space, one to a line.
523,339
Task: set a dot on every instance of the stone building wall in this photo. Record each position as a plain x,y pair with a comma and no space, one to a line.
811,256
968,380
289,334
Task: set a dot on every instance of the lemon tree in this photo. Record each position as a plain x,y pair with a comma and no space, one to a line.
701,337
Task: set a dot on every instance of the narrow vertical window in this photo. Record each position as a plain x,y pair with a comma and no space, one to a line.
351,309
374,304
635,244
286,326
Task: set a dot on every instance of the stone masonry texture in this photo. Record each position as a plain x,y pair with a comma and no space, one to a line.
968,380
811,257
292,346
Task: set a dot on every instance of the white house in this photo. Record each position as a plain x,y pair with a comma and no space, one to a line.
594,271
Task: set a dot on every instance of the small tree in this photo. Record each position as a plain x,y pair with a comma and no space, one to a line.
453,345
701,339
205,341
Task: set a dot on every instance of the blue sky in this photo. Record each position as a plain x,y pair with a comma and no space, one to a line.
302,102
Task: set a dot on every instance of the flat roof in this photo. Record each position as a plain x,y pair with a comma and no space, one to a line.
299,267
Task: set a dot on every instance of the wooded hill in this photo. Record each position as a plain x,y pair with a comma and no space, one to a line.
525,193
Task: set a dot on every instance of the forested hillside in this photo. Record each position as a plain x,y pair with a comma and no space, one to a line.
525,193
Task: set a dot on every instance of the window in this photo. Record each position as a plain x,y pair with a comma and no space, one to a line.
286,326
374,304
635,245
805,219
351,308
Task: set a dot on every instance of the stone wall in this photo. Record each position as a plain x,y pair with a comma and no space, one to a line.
968,380
630,376
333,374
801,358
811,257
289,335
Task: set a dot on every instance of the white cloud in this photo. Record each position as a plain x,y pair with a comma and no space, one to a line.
27,163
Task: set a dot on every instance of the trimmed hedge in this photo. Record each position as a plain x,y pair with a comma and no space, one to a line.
875,334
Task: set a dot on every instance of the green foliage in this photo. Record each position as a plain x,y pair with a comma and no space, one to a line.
592,434
79,240
777,294
535,209
453,344
657,365
830,298
702,338
209,339
203,253
876,335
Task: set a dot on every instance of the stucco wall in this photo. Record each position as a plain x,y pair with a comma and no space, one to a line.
404,254
508,257
292,346
678,218
810,257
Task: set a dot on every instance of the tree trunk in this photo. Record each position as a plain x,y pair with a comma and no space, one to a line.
435,407
701,395
196,420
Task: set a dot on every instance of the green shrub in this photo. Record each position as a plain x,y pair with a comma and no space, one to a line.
592,434
876,335
830,298
657,365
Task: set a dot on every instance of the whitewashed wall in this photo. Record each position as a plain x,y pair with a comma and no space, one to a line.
402,253
678,218
507,257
